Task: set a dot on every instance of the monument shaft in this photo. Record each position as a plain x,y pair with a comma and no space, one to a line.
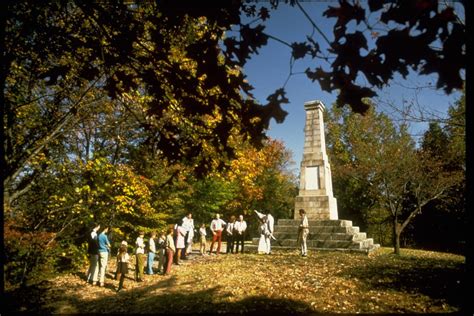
315,194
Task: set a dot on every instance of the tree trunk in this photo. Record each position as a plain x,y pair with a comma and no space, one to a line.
396,236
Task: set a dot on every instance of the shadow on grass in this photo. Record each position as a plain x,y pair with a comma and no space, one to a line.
436,279
146,300
28,300
209,301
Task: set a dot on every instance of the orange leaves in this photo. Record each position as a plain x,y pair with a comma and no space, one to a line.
245,170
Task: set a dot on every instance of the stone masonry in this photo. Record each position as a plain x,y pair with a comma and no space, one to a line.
315,192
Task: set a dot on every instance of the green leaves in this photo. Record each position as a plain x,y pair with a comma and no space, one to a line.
379,174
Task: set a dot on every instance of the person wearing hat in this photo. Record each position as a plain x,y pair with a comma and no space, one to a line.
122,264
140,257
117,275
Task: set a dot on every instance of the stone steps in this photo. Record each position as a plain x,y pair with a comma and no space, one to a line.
314,234
253,248
323,234
367,243
329,222
320,229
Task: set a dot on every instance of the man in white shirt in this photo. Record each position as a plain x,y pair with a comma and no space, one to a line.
188,225
240,227
217,225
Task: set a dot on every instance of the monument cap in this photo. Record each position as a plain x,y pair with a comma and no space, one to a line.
314,104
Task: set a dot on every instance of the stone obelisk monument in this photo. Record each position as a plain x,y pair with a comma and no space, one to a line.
315,191
315,196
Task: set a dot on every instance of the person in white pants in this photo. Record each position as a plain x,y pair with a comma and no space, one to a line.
104,249
303,231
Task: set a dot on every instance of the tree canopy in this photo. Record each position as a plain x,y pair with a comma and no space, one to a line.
132,112
186,72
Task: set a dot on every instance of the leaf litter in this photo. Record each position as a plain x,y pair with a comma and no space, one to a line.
335,282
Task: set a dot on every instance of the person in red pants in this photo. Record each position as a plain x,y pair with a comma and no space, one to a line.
170,250
217,226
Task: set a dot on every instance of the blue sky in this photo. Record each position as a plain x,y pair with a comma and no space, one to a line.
269,70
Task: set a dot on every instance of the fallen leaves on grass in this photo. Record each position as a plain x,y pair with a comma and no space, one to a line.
335,282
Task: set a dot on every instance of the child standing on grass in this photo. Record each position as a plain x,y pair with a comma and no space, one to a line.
202,236
122,264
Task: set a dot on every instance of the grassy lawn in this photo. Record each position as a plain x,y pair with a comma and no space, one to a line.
283,282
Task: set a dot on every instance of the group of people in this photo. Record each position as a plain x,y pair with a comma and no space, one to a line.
171,246
234,232
98,249
176,243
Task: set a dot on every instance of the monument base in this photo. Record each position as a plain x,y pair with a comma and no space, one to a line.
319,207
337,235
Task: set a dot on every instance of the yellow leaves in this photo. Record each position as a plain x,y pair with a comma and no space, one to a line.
252,164
124,203
116,189
298,285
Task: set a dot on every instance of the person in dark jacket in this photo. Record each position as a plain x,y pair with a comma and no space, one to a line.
93,252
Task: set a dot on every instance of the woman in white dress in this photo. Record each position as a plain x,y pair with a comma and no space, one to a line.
264,242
